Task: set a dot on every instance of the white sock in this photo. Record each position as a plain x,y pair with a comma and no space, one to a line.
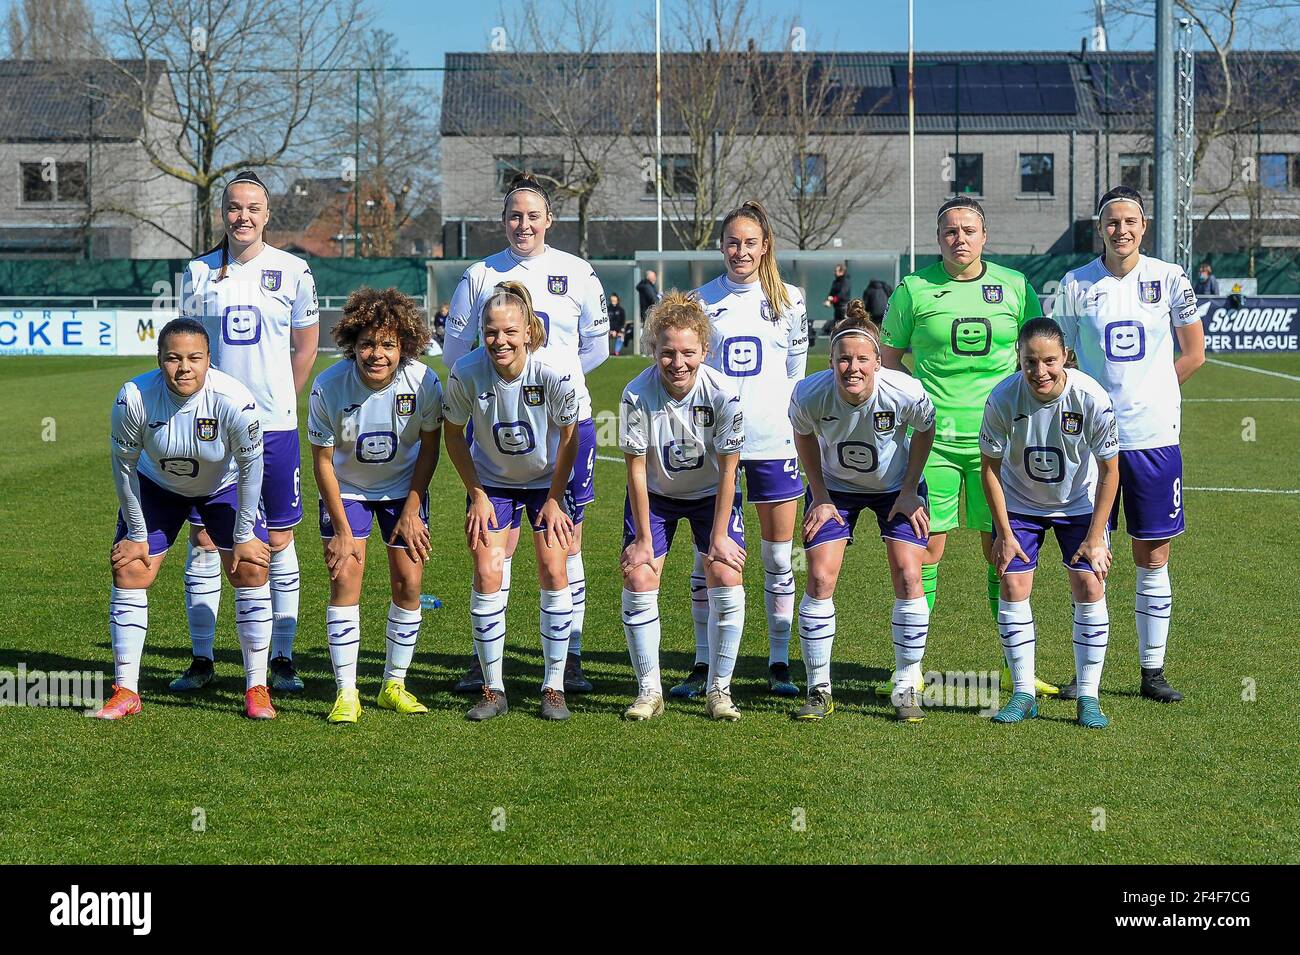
578,592
700,609
487,614
284,579
128,622
557,618
726,624
778,599
505,597
343,630
816,637
641,627
1155,601
202,598
253,627
1016,631
910,623
403,632
1091,634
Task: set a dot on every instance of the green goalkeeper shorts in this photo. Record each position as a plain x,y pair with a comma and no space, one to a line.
948,469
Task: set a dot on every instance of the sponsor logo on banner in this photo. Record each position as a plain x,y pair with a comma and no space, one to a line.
35,331
1264,324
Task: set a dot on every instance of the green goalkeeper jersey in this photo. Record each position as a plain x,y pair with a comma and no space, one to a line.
963,339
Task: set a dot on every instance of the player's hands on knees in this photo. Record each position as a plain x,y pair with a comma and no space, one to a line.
480,520
724,550
1005,550
253,551
415,533
339,549
637,553
126,550
1096,553
816,516
911,505
559,525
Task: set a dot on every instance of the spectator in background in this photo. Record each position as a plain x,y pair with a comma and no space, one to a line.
837,299
648,291
617,325
1204,281
876,298
440,323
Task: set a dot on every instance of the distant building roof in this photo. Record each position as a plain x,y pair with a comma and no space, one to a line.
74,100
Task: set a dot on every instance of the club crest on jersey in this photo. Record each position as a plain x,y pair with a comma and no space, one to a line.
205,429
992,294
271,280
702,416
1071,422
406,405
1150,292
534,395
557,285
884,421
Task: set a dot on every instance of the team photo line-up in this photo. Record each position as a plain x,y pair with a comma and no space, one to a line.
1038,424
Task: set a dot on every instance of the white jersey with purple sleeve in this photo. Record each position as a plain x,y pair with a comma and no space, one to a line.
375,434
517,423
249,316
1049,450
762,355
864,448
681,438
1122,330
567,297
193,446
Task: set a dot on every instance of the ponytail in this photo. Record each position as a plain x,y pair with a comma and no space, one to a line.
769,276
516,294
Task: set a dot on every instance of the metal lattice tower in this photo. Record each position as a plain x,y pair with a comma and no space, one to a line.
1184,144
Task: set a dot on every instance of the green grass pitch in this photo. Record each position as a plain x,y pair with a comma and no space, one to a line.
1210,780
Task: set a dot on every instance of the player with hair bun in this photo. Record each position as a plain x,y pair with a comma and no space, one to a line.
571,303
760,345
851,427
258,304
374,425
1048,461
185,436
681,429
525,415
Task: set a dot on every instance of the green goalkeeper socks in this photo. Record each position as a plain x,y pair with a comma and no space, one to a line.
929,583
994,591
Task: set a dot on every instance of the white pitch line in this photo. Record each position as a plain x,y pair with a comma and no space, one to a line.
606,457
1245,490
1237,400
1262,371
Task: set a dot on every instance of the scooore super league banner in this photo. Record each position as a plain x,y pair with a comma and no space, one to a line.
1262,324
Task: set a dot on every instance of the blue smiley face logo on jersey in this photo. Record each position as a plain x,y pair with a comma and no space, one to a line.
241,325
1125,341
514,437
742,356
972,336
857,456
685,455
1045,465
376,447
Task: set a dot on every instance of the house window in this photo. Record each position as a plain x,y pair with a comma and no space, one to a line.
809,175
678,176
1137,171
968,173
54,182
1280,172
548,170
1036,177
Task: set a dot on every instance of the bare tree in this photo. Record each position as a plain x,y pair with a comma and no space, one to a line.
50,29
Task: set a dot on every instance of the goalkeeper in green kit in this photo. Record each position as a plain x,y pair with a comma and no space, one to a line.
960,317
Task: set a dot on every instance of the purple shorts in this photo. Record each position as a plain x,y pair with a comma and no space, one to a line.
511,503
281,481
582,483
1030,531
665,512
165,511
361,518
772,481
1151,490
851,505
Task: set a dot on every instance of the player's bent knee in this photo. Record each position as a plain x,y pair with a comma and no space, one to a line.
279,540
641,580
248,575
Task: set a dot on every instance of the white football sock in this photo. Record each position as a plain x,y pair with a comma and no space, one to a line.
403,633
1016,631
128,622
556,619
816,638
910,623
726,624
778,598
343,630
202,598
1155,601
505,594
700,609
1091,634
578,592
253,627
284,578
487,614
641,627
